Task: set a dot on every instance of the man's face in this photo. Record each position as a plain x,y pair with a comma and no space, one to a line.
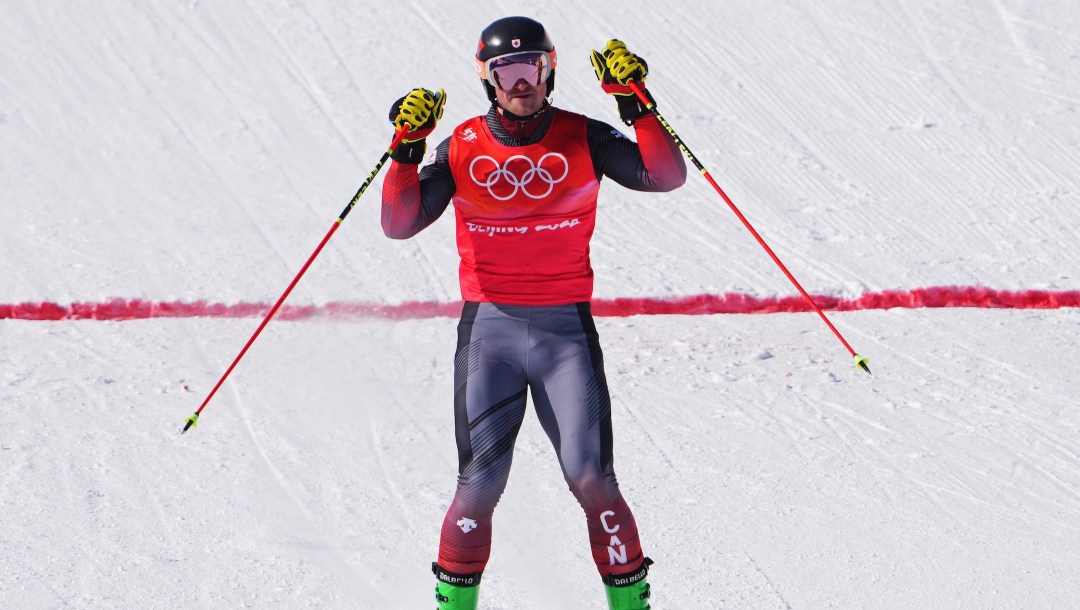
521,99
520,80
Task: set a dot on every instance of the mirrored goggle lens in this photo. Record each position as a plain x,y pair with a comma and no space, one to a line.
504,72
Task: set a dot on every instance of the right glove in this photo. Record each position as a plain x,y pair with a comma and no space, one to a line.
615,67
421,110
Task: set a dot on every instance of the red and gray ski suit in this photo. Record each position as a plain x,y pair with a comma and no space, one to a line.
525,212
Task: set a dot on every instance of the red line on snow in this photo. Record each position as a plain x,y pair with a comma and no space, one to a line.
732,303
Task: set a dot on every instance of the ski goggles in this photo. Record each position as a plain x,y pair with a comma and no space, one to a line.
504,71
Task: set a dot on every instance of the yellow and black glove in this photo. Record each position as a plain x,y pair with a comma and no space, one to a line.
615,68
421,110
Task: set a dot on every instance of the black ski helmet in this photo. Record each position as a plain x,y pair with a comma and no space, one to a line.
513,35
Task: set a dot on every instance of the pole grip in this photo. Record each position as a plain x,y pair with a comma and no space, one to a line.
399,135
639,91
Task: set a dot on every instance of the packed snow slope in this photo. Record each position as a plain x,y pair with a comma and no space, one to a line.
186,150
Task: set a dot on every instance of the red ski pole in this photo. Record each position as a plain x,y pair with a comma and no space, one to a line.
860,361
398,135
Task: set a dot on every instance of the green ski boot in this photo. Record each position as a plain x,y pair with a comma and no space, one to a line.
456,591
629,591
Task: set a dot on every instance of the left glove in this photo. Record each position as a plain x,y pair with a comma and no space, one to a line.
421,110
615,68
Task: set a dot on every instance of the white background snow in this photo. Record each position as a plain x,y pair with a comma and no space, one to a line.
185,150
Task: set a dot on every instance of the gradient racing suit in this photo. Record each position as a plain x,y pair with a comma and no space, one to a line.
525,210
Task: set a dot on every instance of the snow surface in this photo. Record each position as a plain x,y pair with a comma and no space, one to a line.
187,150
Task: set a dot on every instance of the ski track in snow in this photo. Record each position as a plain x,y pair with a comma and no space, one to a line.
772,586
167,167
306,525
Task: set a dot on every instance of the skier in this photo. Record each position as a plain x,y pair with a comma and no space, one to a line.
524,179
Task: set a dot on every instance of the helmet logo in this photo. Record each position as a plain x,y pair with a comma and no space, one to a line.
516,43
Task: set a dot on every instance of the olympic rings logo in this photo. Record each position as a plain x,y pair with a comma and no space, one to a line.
533,172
